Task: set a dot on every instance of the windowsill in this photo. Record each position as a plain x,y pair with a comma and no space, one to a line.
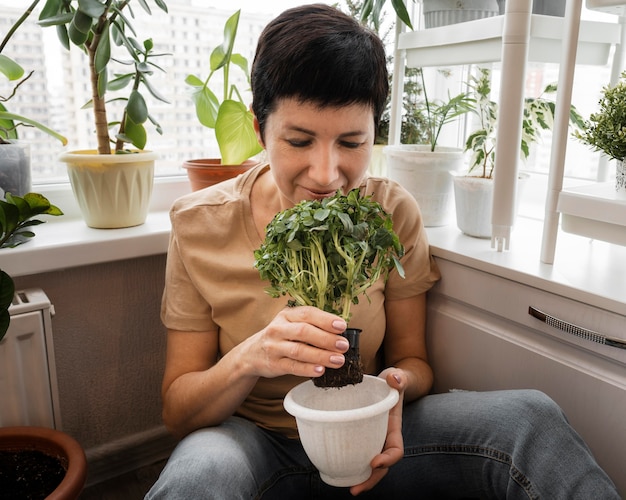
66,241
589,271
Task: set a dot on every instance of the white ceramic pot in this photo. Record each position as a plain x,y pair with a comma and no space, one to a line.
444,12
342,429
113,191
426,175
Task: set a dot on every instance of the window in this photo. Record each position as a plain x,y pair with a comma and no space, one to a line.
189,32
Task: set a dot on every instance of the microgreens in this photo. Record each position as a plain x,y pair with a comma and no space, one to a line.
326,253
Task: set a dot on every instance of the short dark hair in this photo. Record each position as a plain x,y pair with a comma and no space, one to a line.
318,54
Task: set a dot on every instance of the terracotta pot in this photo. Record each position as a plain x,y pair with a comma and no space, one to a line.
205,172
113,191
54,443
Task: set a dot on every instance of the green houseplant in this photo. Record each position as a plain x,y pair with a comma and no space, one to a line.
113,188
605,131
424,168
15,174
224,112
474,191
326,253
35,462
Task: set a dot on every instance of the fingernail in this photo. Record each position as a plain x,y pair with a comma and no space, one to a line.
342,344
337,359
319,369
396,377
339,325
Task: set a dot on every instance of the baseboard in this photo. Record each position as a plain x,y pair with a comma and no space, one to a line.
128,454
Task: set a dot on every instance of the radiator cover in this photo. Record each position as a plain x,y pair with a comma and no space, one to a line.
28,384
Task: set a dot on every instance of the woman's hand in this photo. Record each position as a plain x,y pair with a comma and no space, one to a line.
393,451
301,341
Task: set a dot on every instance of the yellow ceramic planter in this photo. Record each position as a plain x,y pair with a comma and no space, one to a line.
113,191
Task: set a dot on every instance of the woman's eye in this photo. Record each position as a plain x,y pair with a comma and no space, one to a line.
350,145
298,143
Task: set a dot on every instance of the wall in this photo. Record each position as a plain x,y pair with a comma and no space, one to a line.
109,345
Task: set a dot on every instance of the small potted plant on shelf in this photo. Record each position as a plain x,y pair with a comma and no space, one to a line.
327,253
226,113
424,168
605,131
112,184
35,462
474,190
15,169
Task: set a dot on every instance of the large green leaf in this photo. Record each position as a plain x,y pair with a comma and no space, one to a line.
11,116
103,50
221,54
136,108
10,69
93,8
207,104
135,133
234,130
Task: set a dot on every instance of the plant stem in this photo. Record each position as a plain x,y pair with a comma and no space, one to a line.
17,24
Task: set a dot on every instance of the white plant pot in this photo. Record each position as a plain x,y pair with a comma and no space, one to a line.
342,429
474,203
444,12
112,191
426,175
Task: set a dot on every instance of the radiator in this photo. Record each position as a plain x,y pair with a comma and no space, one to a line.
28,384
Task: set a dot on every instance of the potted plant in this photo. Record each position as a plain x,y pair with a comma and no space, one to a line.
444,12
424,168
474,190
605,130
15,174
112,184
35,462
227,115
326,253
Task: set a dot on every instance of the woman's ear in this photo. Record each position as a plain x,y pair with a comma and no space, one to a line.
257,129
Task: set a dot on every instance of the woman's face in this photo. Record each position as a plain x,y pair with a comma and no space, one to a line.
314,151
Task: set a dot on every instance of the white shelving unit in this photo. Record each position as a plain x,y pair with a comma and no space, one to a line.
513,39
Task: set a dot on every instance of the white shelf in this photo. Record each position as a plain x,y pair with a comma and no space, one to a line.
594,211
480,41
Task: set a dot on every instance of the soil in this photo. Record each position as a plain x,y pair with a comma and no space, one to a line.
351,372
29,474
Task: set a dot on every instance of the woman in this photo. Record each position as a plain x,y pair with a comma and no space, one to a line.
319,85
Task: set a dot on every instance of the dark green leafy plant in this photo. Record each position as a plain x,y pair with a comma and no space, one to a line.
372,9
606,130
231,119
326,253
16,219
97,27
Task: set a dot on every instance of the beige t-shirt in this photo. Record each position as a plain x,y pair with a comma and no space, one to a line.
211,283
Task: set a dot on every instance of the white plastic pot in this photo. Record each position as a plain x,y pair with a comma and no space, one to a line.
426,175
112,191
342,429
444,12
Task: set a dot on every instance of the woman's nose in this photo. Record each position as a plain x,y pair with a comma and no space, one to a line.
324,166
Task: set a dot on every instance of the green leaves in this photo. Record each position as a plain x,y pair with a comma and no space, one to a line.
326,253
229,117
16,217
371,12
606,129
100,28
7,290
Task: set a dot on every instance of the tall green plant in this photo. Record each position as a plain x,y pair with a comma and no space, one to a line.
97,27
229,116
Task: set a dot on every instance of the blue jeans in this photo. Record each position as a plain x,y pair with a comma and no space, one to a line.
503,444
